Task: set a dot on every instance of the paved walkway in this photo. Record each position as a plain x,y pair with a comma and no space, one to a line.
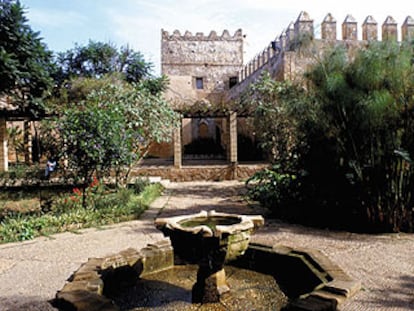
32,272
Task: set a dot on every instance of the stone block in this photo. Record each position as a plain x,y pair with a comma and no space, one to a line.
85,276
93,264
93,285
312,303
80,300
114,262
157,257
131,256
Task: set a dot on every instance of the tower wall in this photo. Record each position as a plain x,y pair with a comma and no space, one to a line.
285,59
200,67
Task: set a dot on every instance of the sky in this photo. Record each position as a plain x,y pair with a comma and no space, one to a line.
138,23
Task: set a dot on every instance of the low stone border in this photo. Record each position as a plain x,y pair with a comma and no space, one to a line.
200,172
323,283
85,290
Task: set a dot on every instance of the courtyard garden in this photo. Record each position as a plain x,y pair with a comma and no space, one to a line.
96,109
339,138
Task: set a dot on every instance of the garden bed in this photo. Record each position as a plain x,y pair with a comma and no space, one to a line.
28,212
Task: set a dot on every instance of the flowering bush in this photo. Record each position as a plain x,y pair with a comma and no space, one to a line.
90,197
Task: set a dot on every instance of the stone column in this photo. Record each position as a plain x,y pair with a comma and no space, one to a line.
282,40
303,25
4,161
233,136
251,70
27,140
265,57
370,29
290,34
177,147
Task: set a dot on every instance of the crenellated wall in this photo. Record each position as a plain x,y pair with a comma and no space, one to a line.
212,58
280,57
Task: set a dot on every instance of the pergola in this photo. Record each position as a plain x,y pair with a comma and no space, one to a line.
231,131
8,112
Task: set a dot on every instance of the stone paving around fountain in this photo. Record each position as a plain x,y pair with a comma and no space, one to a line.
32,272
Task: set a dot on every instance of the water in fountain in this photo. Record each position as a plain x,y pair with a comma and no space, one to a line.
172,290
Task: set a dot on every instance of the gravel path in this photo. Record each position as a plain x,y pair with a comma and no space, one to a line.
32,272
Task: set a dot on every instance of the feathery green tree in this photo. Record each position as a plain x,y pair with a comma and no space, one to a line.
351,139
25,62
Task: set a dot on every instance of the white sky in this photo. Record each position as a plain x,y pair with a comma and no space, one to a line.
62,23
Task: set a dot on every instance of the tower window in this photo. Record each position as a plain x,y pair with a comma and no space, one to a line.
199,83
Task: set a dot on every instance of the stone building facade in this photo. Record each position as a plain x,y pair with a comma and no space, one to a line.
208,70
201,69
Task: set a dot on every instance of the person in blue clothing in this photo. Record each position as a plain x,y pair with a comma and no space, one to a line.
50,166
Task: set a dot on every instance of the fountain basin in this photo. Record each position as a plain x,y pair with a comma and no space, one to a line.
194,235
209,239
309,279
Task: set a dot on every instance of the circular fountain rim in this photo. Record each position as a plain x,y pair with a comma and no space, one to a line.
245,222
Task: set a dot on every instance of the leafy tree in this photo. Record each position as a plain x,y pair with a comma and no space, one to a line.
25,62
98,59
113,128
275,105
15,140
95,139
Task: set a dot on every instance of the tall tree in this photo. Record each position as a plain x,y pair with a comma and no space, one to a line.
25,62
113,128
97,59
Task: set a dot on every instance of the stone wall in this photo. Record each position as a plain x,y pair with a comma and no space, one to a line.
284,59
213,58
200,173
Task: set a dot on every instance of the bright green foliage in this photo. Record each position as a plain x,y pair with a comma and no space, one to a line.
25,62
98,59
113,128
96,138
352,143
275,105
67,213
272,187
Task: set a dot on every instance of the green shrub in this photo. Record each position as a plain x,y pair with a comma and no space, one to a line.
67,214
275,190
347,137
139,185
16,229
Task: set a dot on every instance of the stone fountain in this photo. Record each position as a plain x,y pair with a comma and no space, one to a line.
209,239
187,272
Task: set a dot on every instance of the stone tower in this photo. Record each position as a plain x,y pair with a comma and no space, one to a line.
200,67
